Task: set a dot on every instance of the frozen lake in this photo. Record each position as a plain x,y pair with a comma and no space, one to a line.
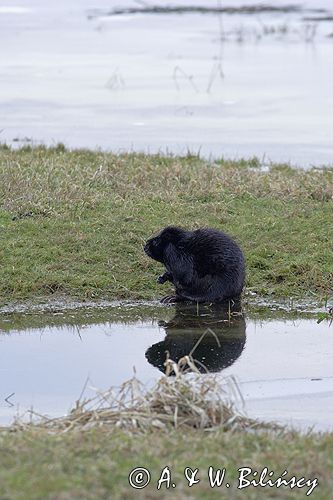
232,85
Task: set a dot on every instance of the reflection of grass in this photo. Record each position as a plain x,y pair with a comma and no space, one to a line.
74,223
304,32
74,315
322,316
317,19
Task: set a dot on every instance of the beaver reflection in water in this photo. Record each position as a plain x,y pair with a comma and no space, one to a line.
205,265
213,335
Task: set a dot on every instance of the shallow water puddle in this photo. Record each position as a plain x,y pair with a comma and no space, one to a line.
283,367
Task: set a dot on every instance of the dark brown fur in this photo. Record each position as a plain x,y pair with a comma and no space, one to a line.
205,265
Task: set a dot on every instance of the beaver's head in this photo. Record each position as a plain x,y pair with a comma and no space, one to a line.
155,246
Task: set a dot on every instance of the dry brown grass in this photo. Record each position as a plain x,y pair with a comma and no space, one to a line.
180,401
46,179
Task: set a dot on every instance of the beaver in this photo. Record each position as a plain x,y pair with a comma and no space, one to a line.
205,265
214,337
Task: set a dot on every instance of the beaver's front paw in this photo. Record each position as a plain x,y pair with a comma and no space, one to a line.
164,277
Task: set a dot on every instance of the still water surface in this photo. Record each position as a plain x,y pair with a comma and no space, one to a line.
283,367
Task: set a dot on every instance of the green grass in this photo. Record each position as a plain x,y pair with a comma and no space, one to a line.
96,464
73,223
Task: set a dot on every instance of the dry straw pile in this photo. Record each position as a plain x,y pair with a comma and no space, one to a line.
179,400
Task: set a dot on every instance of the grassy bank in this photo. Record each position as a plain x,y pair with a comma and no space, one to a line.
181,422
97,463
74,223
